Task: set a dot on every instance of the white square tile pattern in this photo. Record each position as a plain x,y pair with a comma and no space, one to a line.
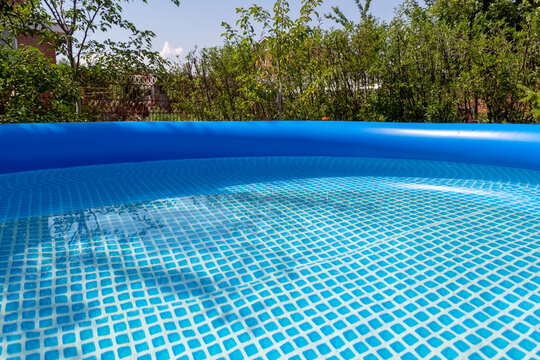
271,258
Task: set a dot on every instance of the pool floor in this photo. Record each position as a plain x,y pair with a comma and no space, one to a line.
273,258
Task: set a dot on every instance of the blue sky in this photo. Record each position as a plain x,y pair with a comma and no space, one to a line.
198,22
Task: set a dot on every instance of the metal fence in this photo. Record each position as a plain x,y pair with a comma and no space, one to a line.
130,98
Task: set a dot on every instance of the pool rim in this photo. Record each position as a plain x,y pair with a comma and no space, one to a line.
28,147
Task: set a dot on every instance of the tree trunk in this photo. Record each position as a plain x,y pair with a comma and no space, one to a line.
78,106
280,92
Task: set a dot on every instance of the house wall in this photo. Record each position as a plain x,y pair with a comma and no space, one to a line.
47,49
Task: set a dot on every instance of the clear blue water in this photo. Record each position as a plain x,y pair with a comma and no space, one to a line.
300,258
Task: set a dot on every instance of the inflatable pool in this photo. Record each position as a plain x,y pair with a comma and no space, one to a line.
272,240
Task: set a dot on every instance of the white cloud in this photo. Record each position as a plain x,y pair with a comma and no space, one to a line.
168,51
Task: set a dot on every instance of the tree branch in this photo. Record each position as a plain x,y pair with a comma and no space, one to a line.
86,31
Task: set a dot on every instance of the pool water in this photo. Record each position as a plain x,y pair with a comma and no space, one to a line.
303,258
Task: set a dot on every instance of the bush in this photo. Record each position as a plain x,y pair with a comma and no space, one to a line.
34,90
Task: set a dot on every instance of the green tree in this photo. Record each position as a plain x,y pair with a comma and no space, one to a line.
492,13
79,19
532,97
34,90
340,18
284,35
31,88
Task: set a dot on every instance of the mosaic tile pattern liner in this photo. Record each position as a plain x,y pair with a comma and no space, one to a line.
272,258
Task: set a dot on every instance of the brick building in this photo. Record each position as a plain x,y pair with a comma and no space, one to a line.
48,49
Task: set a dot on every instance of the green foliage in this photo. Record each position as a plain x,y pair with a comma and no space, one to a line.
17,19
33,90
448,61
340,18
69,26
452,61
274,52
533,99
79,19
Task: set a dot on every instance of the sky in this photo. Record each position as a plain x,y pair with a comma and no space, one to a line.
198,22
